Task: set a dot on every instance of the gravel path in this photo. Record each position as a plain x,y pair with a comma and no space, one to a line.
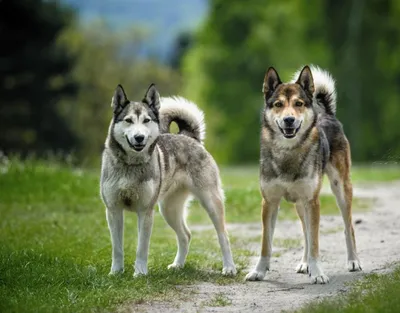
377,236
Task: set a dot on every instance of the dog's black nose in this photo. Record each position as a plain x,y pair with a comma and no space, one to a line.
289,120
139,138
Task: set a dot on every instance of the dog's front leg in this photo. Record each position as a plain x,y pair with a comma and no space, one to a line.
115,220
145,226
311,219
269,214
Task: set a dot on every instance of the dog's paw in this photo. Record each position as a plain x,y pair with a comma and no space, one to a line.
138,274
316,273
140,268
175,266
255,275
116,271
321,279
354,266
229,270
302,268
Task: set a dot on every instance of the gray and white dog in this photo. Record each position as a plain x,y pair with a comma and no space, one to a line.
144,164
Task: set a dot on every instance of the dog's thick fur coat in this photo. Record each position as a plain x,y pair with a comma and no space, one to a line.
301,140
144,164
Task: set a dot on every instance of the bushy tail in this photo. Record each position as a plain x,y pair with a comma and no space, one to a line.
325,91
186,114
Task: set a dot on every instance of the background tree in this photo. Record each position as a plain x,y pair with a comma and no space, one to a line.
364,37
105,58
30,67
182,45
225,69
357,40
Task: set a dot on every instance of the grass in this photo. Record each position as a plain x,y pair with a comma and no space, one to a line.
219,300
374,294
243,198
55,247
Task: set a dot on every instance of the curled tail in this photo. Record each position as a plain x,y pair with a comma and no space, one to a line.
186,114
325,91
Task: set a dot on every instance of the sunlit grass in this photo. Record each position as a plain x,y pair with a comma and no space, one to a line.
55,247
374,294
243,198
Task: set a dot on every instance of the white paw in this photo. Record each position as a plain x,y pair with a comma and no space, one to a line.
321,279
255,275
140,268
116,271
229,270
316,273
302,268
175,266
354,266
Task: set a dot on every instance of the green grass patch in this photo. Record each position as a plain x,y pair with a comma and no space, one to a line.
375,173
249,175
374,294
243,204
55,251
287,243
219,300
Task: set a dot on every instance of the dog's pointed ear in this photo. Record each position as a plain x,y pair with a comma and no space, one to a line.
306,80
119,100
271,81
152,97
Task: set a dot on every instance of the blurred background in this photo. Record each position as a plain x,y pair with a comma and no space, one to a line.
61,60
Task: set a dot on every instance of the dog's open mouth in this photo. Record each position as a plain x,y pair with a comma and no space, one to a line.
136,147
289,132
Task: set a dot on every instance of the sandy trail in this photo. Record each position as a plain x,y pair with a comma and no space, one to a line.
377,235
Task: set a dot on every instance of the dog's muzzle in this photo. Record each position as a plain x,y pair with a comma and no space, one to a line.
137,146
289,132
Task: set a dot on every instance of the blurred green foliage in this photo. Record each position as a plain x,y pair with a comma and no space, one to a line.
45,113
103,60
58,76
356,40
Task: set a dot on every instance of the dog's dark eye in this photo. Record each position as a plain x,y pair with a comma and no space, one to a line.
129,120
278,104
299,103
146,120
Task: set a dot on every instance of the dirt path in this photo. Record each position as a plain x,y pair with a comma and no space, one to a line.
377,235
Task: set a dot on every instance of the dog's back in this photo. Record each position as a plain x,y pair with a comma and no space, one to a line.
185,161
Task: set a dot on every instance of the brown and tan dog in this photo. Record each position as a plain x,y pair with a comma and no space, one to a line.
301,140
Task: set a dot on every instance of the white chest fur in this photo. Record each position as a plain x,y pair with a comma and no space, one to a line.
129,193
302,189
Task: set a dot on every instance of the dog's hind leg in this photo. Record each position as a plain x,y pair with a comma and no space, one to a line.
213,202
302,267
172,208
115,220
145,226
269,215
338,172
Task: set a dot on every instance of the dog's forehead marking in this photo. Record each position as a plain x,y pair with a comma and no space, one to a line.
137,109
289,91
289,94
